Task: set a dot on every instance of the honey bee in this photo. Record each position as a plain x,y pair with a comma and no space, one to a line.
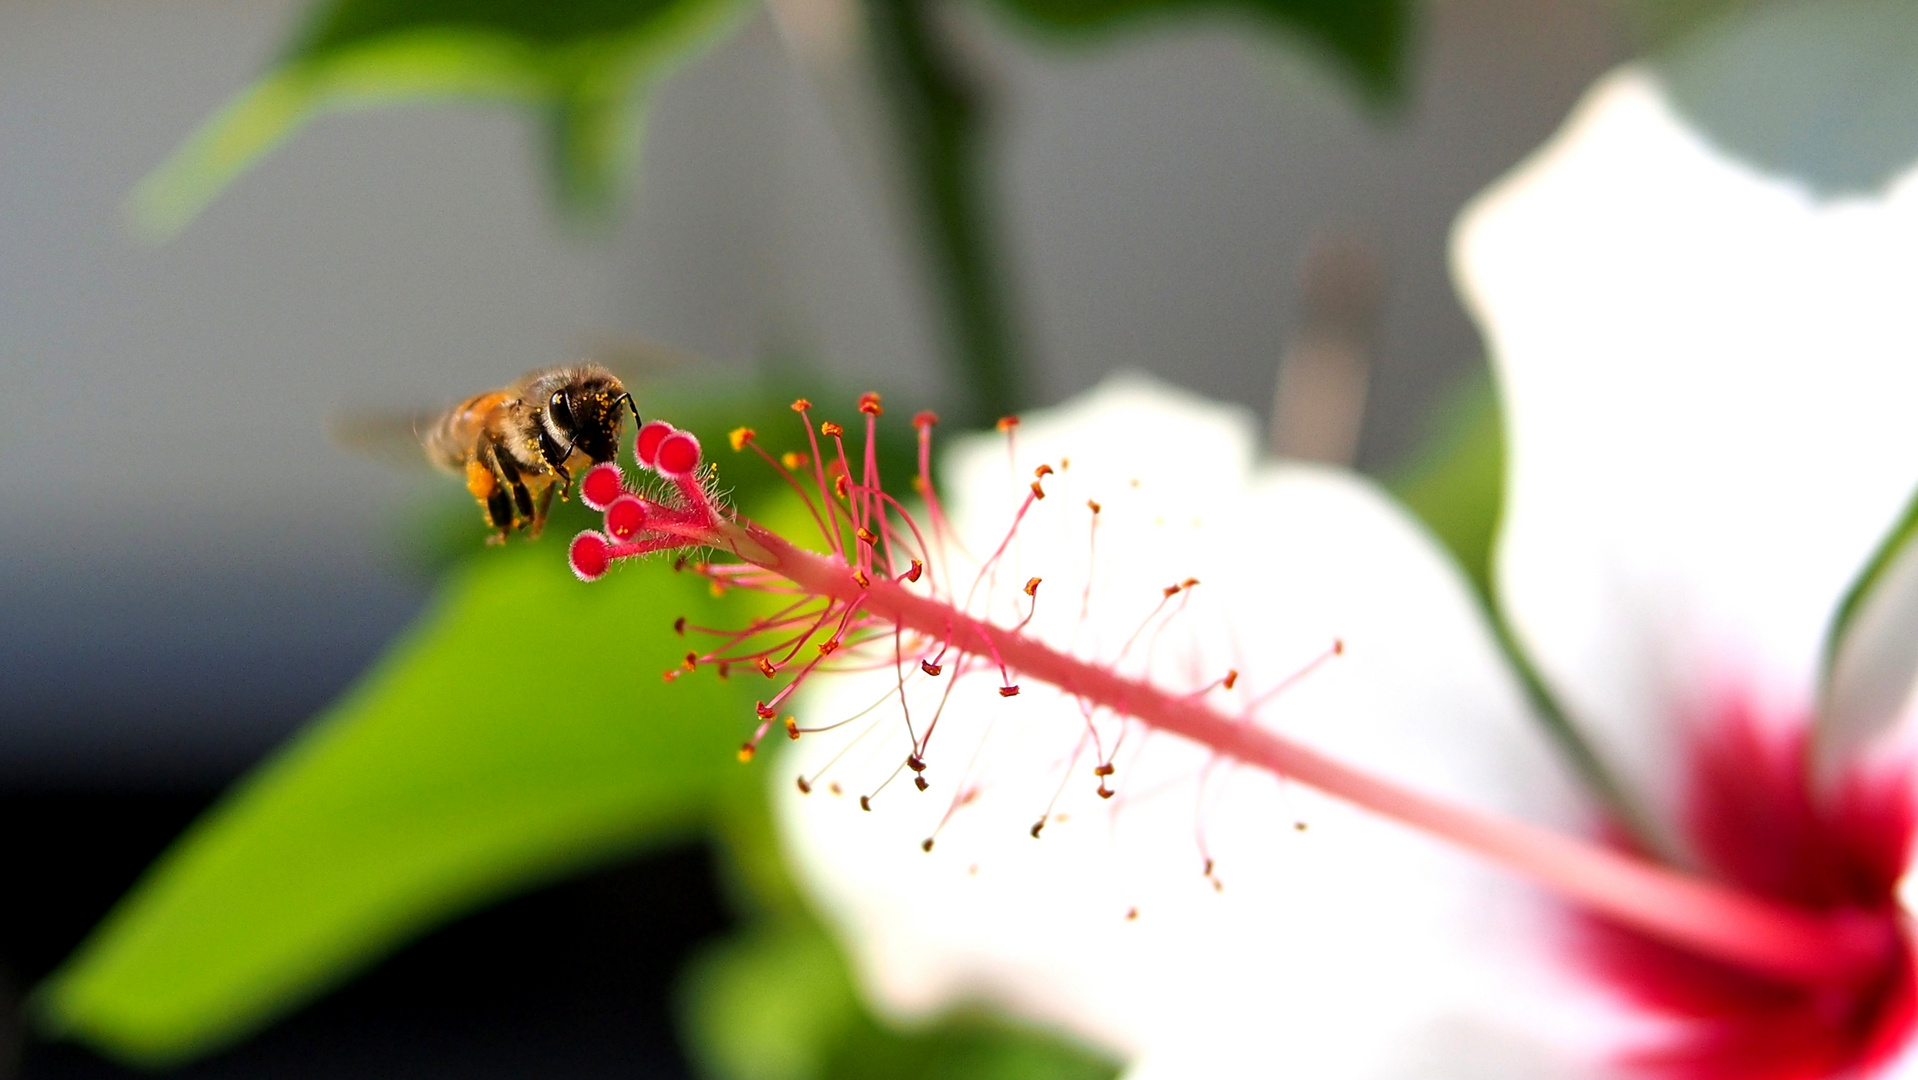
517,445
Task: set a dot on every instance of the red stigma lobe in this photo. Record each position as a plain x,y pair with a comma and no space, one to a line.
646,445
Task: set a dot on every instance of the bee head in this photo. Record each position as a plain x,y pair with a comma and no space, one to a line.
587,412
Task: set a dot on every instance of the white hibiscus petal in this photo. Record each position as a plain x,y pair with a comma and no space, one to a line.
1352,949
1708,375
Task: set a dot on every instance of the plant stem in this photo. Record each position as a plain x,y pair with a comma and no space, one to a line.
937,117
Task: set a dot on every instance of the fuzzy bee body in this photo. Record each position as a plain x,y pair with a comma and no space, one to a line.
517,445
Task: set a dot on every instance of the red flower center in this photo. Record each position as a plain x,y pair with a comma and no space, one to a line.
1754,819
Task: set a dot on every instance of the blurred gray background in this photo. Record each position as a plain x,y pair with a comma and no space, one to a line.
191,567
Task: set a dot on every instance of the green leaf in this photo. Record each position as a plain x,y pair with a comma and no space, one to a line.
1366,38
520,732
777,1003
1456,484
1870,659
586,65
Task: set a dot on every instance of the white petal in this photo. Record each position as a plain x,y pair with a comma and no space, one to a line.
1709,377
1354,949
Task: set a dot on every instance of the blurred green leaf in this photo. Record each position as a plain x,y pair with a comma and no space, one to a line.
1368,39
777,1003
1456,483
585,64
521,731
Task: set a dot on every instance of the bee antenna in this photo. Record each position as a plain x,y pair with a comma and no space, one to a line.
630,403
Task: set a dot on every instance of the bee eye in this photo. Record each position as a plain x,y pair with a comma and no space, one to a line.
562,412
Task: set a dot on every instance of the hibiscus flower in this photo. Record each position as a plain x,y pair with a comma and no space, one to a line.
1707,374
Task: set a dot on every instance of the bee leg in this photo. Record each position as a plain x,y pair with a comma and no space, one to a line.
483,482
499,513
540,507
509,476
555,457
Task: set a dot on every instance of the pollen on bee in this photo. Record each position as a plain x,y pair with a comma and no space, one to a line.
740,436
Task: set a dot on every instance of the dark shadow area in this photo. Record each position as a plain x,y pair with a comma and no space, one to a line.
571,981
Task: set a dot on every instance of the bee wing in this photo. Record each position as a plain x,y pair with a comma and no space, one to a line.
393,439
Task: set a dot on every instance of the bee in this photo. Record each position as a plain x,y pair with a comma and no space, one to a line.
517,445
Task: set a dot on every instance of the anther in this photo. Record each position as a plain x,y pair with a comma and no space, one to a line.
917,569
915,763
1299,826
1231,677
1131,914
1009,691
1007,423
829,646
765,666
925,419
841,484
724,670
926,844
931,668
1103,770
869,404
1093,505
1188,583
1037,491
1042,472
804,787
1032,587
835,788
646,444
860,576
801,404
1037,826
830,429
795,460
1105,792
920,783
691,661
679,626
867,536
765,711
865,803
1170,590
1338,646
746,752
792,728
740,436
